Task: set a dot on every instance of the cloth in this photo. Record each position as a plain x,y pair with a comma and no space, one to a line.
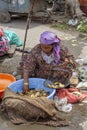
4,45
48,37
1,32
49,59
56,52
36,66
73,95
22,109
8,38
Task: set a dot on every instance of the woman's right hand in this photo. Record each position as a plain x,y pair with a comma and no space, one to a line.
26,88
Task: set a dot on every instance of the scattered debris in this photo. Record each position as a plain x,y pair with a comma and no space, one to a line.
73,22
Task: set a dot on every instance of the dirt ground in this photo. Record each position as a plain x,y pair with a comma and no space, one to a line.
76,43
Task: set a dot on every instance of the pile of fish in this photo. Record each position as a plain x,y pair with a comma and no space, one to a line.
35,93
56,85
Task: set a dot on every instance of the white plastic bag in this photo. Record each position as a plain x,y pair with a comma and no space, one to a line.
61,104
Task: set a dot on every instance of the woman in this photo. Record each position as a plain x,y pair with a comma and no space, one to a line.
49,60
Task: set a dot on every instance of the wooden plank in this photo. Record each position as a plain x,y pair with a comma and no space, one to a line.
11,51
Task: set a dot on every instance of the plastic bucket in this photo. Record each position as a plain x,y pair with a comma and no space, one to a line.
37,83
5,80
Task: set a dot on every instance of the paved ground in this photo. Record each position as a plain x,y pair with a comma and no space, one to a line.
77,45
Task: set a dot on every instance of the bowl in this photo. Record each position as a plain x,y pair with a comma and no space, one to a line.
36,83
5,80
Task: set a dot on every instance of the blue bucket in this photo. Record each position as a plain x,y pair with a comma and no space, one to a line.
37,83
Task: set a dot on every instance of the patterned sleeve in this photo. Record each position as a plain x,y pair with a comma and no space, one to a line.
29,64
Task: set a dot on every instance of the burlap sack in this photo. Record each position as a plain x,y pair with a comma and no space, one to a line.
34,110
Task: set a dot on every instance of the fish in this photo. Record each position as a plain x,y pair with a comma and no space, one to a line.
56,85
35,93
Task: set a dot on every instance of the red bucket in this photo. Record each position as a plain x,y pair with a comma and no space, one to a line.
5,81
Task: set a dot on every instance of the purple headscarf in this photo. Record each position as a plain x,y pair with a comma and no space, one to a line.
48,38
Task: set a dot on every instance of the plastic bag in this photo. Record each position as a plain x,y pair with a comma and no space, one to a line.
61,104
73,95
82,61
83,73
73,22
82,85
13,38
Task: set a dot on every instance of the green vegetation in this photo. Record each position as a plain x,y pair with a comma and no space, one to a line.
82,27
61,25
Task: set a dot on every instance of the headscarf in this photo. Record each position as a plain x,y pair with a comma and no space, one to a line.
48,38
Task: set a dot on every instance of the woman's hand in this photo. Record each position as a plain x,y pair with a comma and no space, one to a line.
25,88
26,82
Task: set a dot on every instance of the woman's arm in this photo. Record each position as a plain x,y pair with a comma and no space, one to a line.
26,82
28,68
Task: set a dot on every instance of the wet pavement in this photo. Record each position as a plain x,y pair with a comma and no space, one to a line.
78,47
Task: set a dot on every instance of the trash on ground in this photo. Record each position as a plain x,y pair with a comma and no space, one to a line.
82,85
73,95
72,22
62,105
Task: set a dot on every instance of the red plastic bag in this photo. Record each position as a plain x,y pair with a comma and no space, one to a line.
73,95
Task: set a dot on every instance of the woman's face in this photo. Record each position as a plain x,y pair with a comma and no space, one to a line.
47,48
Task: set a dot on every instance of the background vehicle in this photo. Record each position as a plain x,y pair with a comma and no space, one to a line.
20,7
